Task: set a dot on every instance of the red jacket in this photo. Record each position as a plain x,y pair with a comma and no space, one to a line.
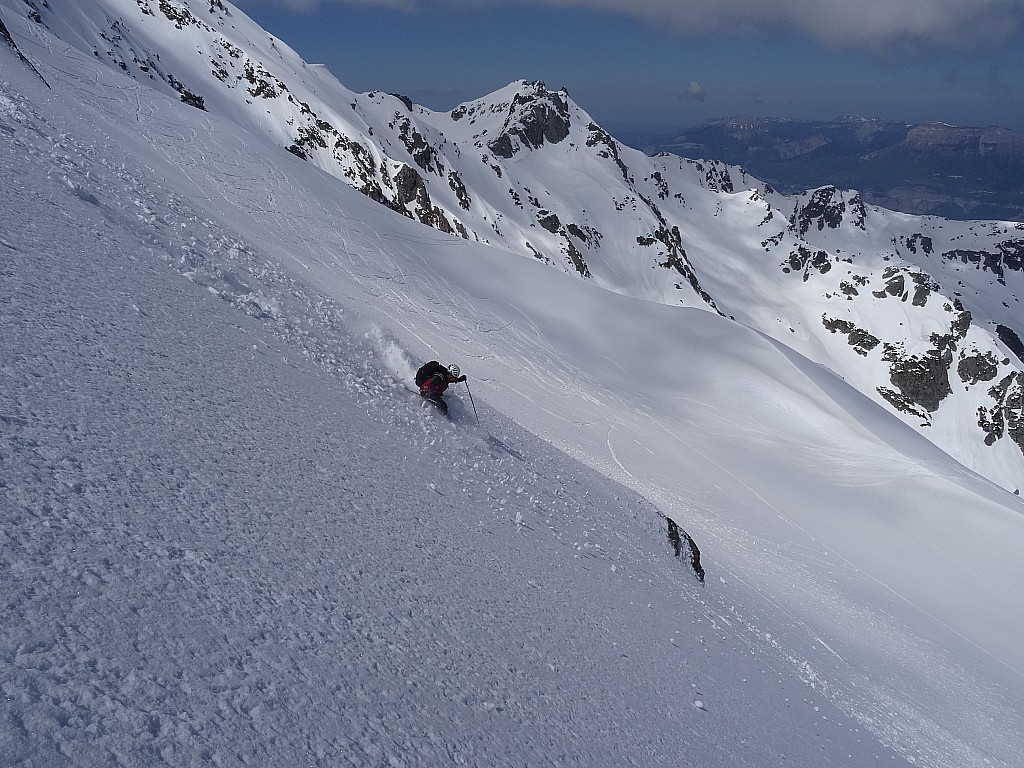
438,383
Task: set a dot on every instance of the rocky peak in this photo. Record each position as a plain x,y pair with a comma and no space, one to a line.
825,207
535,115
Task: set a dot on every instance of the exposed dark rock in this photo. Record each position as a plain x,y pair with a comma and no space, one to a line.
578,233
859,211
262,84
684,547
823,209
918,240
409,186
904,404
676,258
33,13
502,147
803,261
422,153
365,169
544,117
662,185
187,97
534,118
576,258
862,341
181,17
1013,409
1013,254
1010,338
537,254
717,178
455,182
192,99
896,285
772,241
961,323
1006,416
310,137
1009,256
588,235
849,287
977,366
924,287
992,423
373,190
549,221
404,99
922,380
989,262
599,137
552,224
411,189
655,210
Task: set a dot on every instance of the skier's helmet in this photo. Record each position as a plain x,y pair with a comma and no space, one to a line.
454,370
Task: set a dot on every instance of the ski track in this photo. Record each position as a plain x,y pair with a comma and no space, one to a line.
178,589
153,526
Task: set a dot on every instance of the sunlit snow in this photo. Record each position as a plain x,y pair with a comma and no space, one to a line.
232,535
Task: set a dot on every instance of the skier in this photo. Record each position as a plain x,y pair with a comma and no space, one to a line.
433,379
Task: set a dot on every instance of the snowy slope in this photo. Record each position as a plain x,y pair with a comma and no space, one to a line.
230,537
919,314
222,541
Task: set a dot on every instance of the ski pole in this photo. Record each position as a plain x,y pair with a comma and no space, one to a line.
471,400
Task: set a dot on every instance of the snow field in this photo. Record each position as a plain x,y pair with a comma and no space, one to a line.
231,538
301,563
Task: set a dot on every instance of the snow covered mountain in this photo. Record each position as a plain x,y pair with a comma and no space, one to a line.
920,314
232,536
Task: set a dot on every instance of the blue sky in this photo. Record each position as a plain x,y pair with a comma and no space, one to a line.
677,63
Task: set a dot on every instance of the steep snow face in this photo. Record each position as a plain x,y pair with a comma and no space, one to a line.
231,535
921,314
933,307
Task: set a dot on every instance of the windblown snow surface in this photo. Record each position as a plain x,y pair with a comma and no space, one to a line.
231,535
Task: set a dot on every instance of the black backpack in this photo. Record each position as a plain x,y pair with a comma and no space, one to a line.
427,370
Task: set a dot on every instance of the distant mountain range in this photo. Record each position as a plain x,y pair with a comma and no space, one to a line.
931,168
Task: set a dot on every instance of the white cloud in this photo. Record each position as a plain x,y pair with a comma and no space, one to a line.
693,92
874,24
305,5
848,23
